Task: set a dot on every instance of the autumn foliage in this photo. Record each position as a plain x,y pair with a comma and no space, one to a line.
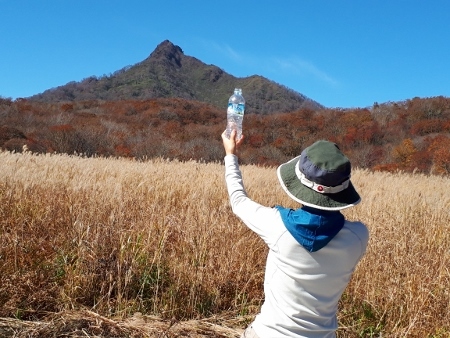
413,135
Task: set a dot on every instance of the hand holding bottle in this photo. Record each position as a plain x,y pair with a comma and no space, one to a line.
230,144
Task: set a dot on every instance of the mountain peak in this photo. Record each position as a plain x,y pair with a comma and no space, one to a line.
167,50
168,73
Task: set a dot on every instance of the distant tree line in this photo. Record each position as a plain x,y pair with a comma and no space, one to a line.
412,135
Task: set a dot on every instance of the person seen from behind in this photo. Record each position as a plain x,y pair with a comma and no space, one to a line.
313,250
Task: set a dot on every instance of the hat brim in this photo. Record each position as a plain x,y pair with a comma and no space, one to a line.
306,196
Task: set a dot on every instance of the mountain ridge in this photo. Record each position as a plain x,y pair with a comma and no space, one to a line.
168,73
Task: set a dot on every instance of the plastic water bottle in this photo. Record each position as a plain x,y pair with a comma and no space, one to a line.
235,113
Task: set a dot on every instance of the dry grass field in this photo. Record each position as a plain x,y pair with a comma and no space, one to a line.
96,247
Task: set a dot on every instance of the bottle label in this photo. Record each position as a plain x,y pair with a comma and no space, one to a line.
236,108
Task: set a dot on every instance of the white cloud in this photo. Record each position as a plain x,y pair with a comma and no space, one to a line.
265,65
227,51
303,68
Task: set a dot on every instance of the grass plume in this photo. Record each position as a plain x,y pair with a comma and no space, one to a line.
117,237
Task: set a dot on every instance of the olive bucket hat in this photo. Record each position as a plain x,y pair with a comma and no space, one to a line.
319,178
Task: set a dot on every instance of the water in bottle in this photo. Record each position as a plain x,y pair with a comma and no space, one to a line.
235,113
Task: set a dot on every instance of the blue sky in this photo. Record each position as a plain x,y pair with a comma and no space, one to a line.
341,53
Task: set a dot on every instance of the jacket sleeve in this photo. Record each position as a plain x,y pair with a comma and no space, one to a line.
264,221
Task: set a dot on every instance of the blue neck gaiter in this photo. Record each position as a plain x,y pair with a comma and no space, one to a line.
312,228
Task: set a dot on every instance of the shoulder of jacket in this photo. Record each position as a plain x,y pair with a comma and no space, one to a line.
358,228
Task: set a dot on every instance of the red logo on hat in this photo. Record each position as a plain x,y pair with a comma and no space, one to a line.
320,188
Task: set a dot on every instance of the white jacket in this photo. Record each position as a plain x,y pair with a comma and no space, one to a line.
302,289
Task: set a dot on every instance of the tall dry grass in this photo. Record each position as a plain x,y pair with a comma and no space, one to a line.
117,236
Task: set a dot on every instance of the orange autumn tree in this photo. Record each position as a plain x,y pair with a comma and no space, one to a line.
440,150
403,154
